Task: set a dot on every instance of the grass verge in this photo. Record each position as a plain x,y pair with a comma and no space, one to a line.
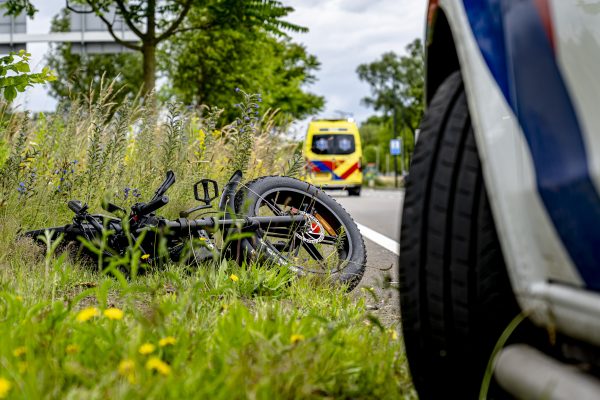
218,331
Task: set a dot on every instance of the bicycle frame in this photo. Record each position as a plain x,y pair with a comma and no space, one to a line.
140,221
227,208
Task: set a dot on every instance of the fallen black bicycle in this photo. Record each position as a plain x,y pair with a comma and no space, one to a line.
280,221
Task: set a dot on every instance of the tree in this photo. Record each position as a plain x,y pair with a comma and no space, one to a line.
215,23
397,85
152,21
206,67
155,21
15,73
78,73
20,78
375,130
16,7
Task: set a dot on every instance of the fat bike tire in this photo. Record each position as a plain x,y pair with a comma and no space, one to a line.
280,195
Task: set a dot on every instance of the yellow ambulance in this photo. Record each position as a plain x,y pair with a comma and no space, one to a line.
333,155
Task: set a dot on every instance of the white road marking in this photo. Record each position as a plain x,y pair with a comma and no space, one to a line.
384,194
383,241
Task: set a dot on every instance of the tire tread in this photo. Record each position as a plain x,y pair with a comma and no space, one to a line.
455,294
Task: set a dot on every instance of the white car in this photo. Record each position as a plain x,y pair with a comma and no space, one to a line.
502,206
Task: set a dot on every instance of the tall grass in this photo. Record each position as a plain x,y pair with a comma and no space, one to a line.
94,149
69,330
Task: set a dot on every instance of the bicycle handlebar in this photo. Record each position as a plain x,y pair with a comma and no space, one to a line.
152,205
75,206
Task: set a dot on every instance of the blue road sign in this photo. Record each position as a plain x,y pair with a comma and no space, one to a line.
395,147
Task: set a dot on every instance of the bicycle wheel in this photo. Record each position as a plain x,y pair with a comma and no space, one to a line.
328,243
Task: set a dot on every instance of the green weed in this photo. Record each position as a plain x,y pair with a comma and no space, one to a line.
214,330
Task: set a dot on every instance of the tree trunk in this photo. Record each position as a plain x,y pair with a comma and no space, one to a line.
149,53
149,49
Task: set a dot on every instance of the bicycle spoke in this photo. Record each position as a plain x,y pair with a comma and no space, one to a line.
312,250
330,240
274,207
294,241
292,246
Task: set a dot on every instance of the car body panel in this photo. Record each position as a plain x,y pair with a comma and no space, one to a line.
528,172
577,40
516,39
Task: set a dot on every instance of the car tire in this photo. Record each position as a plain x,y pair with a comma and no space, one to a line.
455,294
355,191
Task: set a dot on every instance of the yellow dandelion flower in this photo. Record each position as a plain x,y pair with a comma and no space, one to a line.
19,351
87,313
169,340
127,369
394,334
296,337
126,366
5,386
72,349
145,256
147,348
113,313
19,298
158,365
22,367
234,277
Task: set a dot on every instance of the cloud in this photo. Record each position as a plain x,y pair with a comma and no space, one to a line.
346,33
358,6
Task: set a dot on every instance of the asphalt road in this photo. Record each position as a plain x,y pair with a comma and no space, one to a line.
379,210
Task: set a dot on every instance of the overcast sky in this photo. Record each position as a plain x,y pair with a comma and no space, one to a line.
342,34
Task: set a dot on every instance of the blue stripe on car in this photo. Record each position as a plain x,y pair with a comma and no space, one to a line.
519,55
325,168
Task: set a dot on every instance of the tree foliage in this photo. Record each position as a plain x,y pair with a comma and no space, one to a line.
152,21
206,67
207,48
78,73
244,14
155,21
396,83
15,75
16,7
